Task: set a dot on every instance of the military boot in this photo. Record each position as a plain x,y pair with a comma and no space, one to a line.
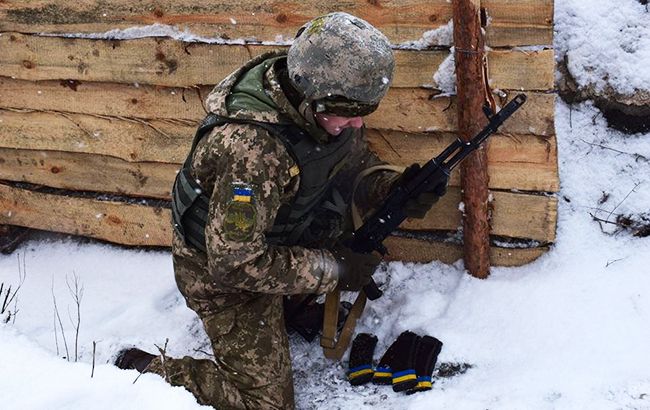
133,358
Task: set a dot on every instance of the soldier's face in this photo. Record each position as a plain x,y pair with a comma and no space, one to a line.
335,124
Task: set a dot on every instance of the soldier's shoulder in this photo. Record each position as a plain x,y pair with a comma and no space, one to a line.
247,136
234,138
251,143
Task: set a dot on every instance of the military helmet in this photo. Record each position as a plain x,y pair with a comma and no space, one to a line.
341,63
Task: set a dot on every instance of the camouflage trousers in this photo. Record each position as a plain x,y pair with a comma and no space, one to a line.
251,368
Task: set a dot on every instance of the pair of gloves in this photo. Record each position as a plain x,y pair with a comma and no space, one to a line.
356,269
407,365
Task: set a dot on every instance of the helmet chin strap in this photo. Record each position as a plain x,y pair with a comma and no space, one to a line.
306,110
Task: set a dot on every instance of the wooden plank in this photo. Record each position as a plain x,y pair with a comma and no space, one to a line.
85,172
524,216
163,61
523,162
536,117
504,35
521,70
130,140
127,224
526,162
153,61
131,224
515,215
105,99
161,141
526,166
401,21
520,22
262,20
415,250
403,109
418,110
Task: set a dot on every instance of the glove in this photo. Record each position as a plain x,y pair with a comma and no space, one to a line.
426,356
418,207
361,353
355,269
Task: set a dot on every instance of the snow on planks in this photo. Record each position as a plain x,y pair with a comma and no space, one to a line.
511,23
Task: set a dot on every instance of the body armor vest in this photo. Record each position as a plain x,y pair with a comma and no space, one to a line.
318,164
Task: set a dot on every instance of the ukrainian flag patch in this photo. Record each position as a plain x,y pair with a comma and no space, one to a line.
240,215
242,193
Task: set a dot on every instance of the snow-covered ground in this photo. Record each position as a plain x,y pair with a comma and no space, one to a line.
607,42
569,331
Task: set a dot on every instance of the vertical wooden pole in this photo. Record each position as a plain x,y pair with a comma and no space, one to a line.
469,46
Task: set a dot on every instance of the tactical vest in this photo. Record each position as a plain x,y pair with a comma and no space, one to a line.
318,164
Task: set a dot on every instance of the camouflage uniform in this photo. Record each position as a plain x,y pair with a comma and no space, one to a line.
237,288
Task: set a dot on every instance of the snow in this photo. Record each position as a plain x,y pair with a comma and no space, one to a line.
445,78
606,43
568,331
176,33
440,37
32,378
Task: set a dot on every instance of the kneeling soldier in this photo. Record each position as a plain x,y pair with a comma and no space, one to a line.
262,199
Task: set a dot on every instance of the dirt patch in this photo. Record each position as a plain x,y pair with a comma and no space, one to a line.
638,225
447,370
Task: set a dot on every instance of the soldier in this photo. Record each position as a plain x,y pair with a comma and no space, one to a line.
263,198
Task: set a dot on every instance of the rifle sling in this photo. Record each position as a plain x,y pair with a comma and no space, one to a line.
334,347
330,317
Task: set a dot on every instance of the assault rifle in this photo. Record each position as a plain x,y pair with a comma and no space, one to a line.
380,224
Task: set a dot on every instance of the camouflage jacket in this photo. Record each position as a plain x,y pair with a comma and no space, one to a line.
248,175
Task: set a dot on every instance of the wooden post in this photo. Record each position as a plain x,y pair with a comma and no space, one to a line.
471,90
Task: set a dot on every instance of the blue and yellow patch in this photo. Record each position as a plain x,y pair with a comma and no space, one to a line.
407,375
242,193
360,371
240,216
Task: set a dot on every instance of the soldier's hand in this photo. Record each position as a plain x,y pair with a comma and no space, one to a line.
418,207
355,269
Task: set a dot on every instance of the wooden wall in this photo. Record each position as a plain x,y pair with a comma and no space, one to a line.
92,131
